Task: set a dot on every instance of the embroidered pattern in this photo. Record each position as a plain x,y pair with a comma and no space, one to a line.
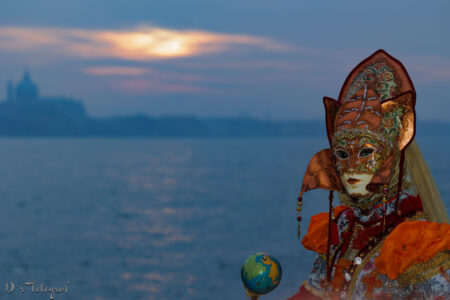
424,271
379,75
372,282
359,268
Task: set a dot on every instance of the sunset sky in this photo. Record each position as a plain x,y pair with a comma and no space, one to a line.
220,58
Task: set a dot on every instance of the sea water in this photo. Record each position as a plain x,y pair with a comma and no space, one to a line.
126,219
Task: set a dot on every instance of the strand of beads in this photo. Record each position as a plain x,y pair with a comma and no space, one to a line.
299,218
384,205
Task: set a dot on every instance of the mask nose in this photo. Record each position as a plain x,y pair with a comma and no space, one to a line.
353,164
352,171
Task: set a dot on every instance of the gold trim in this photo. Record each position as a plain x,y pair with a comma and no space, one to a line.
417,216
358,269
370,255
401,107
424,271
352,132
313,291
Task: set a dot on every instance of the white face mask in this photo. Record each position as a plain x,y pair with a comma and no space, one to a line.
355,183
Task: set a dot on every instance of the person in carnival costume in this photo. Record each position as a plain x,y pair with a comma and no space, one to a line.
390,237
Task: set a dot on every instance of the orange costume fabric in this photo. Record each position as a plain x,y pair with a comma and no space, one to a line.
317,236
411,243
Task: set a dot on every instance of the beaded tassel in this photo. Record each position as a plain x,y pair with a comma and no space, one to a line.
299,209
400,181
330,219
384,206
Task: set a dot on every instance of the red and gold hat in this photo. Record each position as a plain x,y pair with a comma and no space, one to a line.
376,101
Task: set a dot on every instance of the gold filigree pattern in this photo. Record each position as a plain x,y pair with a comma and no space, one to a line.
381,69
400,111
358,269
418,216
343,135
313,291
426,270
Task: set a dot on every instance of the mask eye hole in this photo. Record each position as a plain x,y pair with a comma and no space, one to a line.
341,154
366,152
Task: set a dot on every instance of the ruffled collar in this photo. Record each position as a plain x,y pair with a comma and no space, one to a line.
376,212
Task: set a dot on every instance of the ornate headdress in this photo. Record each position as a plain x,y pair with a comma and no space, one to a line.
376,104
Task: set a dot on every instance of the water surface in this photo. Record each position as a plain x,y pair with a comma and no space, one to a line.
158,218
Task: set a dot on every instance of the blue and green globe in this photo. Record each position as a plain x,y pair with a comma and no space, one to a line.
261,273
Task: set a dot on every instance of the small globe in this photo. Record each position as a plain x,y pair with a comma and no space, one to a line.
261,273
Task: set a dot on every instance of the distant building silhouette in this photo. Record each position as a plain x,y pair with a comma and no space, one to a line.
10,94
27,90
26,94
26,113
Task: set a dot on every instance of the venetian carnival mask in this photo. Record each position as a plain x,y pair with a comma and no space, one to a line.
368,128
357,160
359,149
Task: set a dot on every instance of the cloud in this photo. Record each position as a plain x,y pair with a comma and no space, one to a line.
141,80
250,65
112,71
146,72
428,68
146,86
140,44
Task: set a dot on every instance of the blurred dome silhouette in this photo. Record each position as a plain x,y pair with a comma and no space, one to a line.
27,90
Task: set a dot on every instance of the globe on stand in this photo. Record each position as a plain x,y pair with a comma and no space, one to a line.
260,273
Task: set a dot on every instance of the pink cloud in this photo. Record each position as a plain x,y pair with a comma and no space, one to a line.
428,68
141,86
251,65
112,71
141,43
142,80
